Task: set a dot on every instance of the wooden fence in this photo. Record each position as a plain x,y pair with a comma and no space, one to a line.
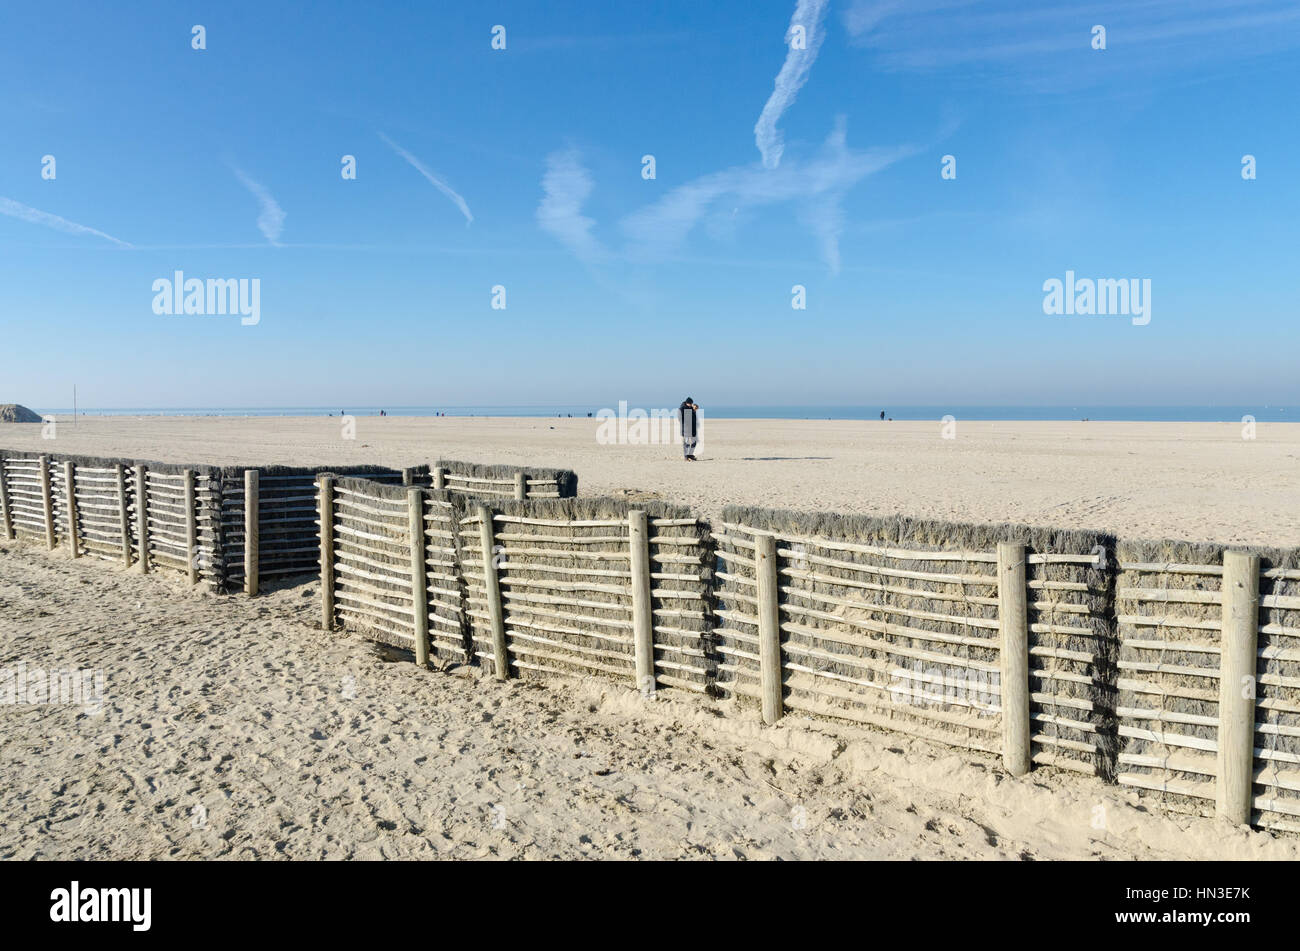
1209,679
589,587
204,522
269,518
388,565
1171,668
937,640
150,515
1000,639
962,635
523,588
503,482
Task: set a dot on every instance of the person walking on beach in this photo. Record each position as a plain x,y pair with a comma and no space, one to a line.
688,414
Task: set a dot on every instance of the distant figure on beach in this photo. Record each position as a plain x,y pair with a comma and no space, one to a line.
689,416
882,414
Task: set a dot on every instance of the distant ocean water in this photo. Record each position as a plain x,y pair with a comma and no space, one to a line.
1177,414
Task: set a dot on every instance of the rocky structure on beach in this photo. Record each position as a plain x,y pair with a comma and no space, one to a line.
15,413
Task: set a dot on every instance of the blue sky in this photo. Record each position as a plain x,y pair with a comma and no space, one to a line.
225,163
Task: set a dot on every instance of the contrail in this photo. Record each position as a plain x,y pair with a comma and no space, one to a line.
271,220
22,212
434,180
794,73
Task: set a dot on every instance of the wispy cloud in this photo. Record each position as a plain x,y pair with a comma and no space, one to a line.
1151,36
816,186
566,186
432,177
34,216
794,73
271,221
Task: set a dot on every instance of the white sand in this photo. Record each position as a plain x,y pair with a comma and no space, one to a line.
240,707
1199,481
304,745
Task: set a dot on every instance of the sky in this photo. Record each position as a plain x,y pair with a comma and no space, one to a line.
783,157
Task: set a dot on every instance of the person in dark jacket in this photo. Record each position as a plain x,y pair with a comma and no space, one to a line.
688,414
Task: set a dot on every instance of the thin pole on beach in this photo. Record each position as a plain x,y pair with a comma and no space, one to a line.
47,501
191,528
142,516
70,487
325,506
1013,626
1237,667
5,516
769,628
419,581
492,590
642,615
251,559
123,514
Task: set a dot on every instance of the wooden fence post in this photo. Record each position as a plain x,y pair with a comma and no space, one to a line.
123,514
521,486
191,527
769,627
6,517
325,508
70,486
419,580
439,477
408,477
251,557
1013,628
642,613
1237,667
47,501
142,516
492,592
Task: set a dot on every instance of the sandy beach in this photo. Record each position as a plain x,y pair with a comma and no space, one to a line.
235,727
1199,481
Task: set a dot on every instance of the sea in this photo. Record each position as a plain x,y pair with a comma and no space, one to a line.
1172,414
